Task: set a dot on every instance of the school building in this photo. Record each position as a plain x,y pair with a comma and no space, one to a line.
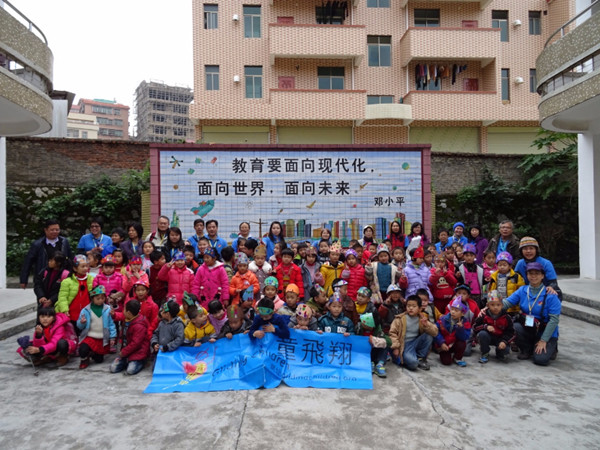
459,75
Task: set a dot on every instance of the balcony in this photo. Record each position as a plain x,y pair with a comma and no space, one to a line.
482,3
310,2
317,41
389,111
467,44
25,76
315,104
478,106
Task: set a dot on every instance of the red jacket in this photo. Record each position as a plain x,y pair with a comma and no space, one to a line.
442,284
148,309
292,274
396,241
211,279
62,328
355,280
138,340
178,280
503,326
158,288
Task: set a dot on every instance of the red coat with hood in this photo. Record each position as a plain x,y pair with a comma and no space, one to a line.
138,340
355,280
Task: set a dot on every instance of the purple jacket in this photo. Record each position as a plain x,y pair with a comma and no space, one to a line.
481,244
418,278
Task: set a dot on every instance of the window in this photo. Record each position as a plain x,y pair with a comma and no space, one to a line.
535,22
427,17
330,77
180,120
211,17
118,122
72,133
104,121
378,3
159,129
179,132
84,134
159,118
159,107
380,50
330,15
379,99
181,109
117,112
532,80
102,110
505,84
212,78
253,76
500,20
252,21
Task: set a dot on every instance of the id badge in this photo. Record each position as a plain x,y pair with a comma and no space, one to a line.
529,320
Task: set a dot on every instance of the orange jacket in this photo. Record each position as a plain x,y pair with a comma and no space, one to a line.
242,282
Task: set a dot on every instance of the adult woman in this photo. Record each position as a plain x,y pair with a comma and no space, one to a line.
95,238
133,246
537,329
274,237
325,235
368,237
244,232
530,251
476,238
175,243
416,229
396,235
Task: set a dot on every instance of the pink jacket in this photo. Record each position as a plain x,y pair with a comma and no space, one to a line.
62,328
211,278
178,280
129,282
111,283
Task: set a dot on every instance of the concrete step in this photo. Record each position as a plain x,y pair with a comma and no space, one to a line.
22,324
16,308
583,301
581,312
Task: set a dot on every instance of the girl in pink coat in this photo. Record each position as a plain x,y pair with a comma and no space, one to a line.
178,277
211,276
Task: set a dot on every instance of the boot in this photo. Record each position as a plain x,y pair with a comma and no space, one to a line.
62,360
41,361
85,362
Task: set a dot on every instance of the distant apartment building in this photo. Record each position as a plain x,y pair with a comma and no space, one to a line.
459,75
82,126
112,117
162,113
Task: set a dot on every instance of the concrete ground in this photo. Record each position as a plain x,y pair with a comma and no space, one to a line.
497,405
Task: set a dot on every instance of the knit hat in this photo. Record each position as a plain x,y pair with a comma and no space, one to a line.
351,252
179,256
364,291
463,286
210,252
393,288
304,311
458,303
271,281
458,224
336,247
261,250
534,266
367,320
292,288
135,260
234,312
528,241
469,248
142,282
368,226
504,256
382,248
108,260
98,290
242,258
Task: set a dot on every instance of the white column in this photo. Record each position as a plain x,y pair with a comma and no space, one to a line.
2,213
589,205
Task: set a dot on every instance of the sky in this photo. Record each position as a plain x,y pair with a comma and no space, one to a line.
105,49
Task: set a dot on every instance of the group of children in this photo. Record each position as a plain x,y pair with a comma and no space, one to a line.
440,301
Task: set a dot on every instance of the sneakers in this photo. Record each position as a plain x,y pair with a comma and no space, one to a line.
85,362
423,364
380,370
460,363
484,358
522,356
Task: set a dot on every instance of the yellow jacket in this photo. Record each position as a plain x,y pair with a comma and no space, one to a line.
192,333
514,282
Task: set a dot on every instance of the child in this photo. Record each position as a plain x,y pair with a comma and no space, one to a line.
216,315
463,293
399,258
364,305
270,292
120,260
428,308
287,272
260,268
489,265
378,340
300,255
382,273
98,331
442,283
318,301
54,339
117,236
147,249
311,272
133,275
450,257
236,323
472,274
177,276
168,336
203,245
506,281
73,295
412,335
112,282
349,306
393,305
94,260
354,274
242,280
458,253
275,258
333,268
494,327
190,262
199,330
268,322
247,304
323,253
211,276
148,308
417,273
47,282
304,319
132,357
454,331
335,321
292,294
228,256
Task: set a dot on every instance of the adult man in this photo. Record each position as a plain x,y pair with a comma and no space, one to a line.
212,228
95,238
160,236
42,249
505,241
199,229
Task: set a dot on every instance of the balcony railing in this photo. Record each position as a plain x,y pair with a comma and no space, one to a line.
453,105
592,9
316,104
23,19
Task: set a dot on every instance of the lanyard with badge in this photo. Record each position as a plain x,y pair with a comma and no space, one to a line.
529,318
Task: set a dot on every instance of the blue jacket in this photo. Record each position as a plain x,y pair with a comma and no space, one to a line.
450,333
440,248
234,244
218,244
270,246
525,300
340,325
462,240
193,240
281,329
88,242
549,272
109,330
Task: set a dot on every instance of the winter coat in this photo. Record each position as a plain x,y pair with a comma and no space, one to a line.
503,326
549,272
138,340
158,288
261,274
356,280
312,324
281,329
211,278
397,240
61,328
128,283
340,324
462,270
168,335
449,333
512,246
371,274
514,282
330,273
307,280
45,285
193,334
370,308
270,245
388,312
148,309
127,248
179,280
398,331
295,276
481,244
242,282
442,284
37,257
226,328
418,278
109,330
112,283
69,288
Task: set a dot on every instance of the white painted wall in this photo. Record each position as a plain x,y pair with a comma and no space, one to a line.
2,213
589,205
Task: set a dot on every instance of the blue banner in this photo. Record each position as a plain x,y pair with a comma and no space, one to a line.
306,359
